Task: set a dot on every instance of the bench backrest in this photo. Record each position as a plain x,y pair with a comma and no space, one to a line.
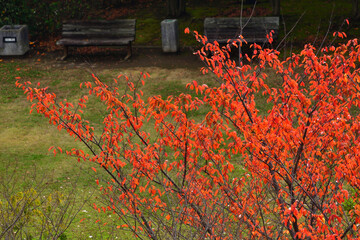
253,29
102,29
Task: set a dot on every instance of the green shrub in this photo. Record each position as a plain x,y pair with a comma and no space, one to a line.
29,209
42,17
24,213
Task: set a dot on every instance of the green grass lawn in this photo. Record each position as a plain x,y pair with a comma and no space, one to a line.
25,138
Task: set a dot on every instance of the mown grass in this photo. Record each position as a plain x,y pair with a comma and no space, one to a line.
26,138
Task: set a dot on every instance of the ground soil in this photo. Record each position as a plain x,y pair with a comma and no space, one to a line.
105,58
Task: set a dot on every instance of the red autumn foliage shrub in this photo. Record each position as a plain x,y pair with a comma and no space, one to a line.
291,173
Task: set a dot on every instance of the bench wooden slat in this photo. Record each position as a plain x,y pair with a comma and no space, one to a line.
99,34
252,29
94,42
73,28
124,23
93,33
86,26
267,22
119,32
101,28
236,32
102,31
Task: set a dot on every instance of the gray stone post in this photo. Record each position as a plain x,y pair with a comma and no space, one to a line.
14,40
170,35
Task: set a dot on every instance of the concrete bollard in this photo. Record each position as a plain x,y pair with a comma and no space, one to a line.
14,40
170,35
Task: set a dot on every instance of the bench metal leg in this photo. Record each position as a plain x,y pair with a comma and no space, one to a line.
66,53
129,52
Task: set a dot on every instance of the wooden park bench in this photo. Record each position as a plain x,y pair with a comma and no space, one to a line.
98,33
254,29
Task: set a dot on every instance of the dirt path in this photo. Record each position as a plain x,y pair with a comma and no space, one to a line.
105,58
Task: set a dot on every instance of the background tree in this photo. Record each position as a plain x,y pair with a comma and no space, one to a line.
175,8
116,3
355,9
275,4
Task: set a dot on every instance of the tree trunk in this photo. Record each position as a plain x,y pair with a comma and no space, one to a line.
275,4
355,9
116,3
175,8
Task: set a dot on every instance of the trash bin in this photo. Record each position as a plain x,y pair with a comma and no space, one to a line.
170,35
14,40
